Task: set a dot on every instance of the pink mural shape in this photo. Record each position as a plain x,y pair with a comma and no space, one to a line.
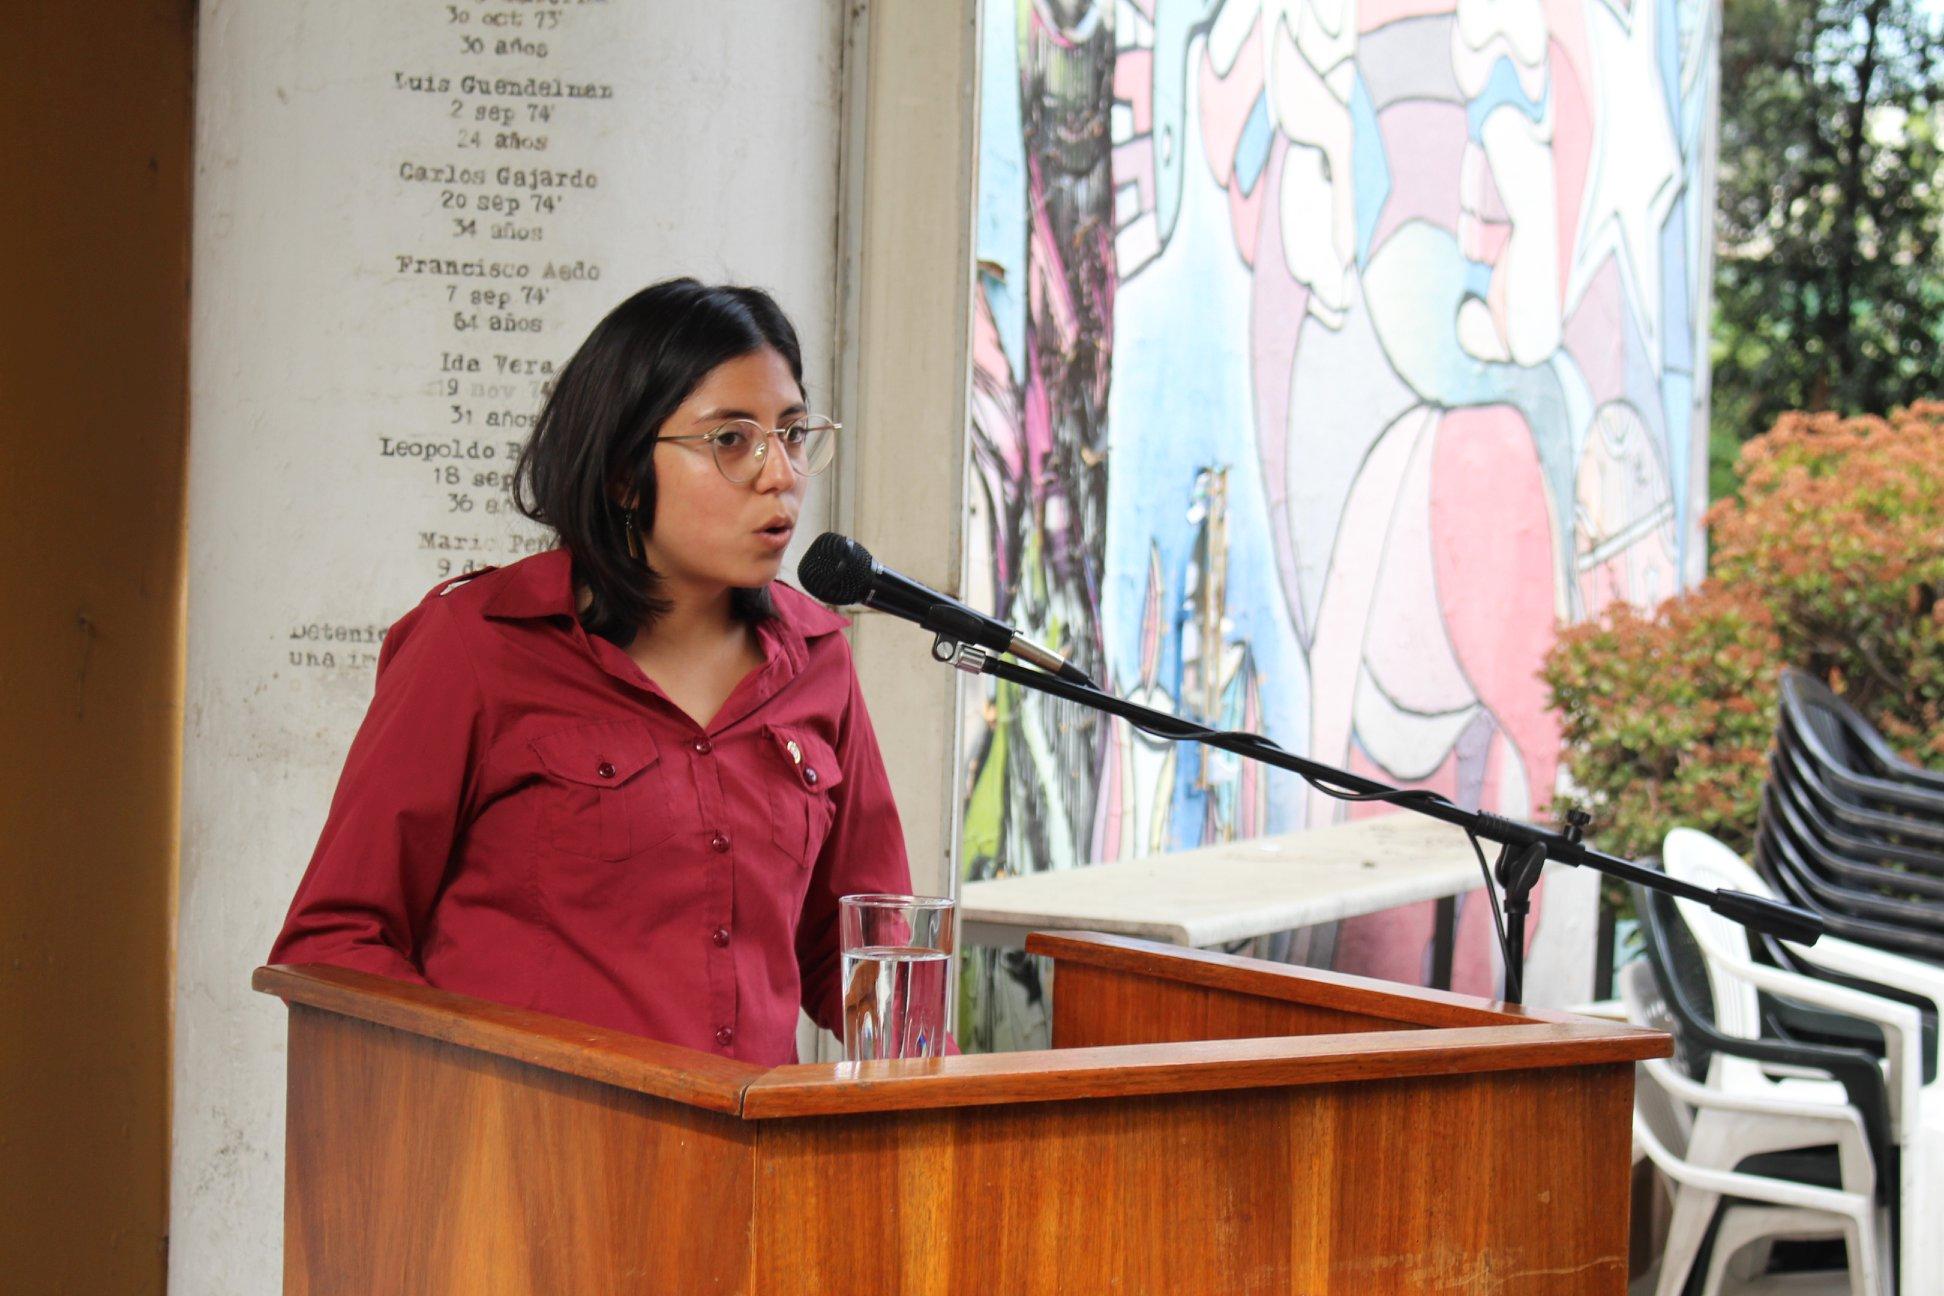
1433,136
1497,573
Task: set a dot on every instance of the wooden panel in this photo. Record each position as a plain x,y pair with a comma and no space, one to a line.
1410,1005
1095,1006
1147,1069
570,1047
1513,1184
420,1168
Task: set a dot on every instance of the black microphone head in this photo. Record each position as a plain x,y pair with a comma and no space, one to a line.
836,570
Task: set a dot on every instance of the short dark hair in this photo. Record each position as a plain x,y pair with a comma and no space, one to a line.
598,428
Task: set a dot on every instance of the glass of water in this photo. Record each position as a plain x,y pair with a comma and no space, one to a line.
897,956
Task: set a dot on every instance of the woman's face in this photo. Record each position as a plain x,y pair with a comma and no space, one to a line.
709,532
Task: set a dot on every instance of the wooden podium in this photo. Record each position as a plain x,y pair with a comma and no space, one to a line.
1204,1124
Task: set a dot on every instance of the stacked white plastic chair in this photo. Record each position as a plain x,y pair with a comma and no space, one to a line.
1735,976
1696,1134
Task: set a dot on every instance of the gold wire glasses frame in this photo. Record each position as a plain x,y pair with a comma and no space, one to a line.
741,446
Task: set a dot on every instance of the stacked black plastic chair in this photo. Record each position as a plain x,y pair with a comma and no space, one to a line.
1849,829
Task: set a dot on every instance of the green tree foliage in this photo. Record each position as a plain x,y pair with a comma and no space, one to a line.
1829,283
1831,559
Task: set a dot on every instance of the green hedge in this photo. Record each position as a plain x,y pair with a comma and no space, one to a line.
1829,558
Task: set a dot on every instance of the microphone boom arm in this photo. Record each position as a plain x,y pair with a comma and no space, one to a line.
1524,847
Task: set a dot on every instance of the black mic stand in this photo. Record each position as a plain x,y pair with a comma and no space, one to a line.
1523,848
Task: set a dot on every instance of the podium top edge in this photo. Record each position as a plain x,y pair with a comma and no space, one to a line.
1483,1037
559,1044
1199,1067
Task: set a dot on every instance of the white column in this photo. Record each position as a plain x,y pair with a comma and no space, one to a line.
909,170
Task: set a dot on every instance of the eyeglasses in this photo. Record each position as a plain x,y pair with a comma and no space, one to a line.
741,446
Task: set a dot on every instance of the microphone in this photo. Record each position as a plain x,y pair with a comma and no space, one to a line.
839,571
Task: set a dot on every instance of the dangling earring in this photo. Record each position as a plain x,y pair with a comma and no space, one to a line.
626,517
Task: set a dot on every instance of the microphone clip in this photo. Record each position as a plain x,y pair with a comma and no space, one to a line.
969,658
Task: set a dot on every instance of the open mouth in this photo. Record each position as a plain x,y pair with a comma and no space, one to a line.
777,531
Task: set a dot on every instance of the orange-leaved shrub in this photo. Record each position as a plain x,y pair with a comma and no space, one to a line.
1831,559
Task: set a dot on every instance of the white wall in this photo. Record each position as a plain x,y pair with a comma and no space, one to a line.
716,155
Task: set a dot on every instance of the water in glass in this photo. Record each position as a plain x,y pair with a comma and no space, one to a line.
894,1002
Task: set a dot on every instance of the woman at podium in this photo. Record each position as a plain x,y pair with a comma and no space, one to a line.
626,779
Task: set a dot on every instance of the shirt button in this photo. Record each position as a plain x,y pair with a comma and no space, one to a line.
725,1037
718,843
606,770
721,936
809,776
701,746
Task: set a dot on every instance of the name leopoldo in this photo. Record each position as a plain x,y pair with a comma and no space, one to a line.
502,87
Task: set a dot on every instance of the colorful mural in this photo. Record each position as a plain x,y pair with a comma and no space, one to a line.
1328,354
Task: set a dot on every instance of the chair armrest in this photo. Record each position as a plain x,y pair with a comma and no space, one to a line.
1916,795
1913,976
1916,775
1860,1073
1901,1024
1892,764
1909,797
1699,1095
1886,1013
1786,1071
1730,1183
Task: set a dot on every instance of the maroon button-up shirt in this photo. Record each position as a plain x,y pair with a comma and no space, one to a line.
525,817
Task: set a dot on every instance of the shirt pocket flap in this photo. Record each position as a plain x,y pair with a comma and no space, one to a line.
607,754
812,759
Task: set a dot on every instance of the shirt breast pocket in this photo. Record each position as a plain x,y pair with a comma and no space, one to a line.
803,807
605,793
